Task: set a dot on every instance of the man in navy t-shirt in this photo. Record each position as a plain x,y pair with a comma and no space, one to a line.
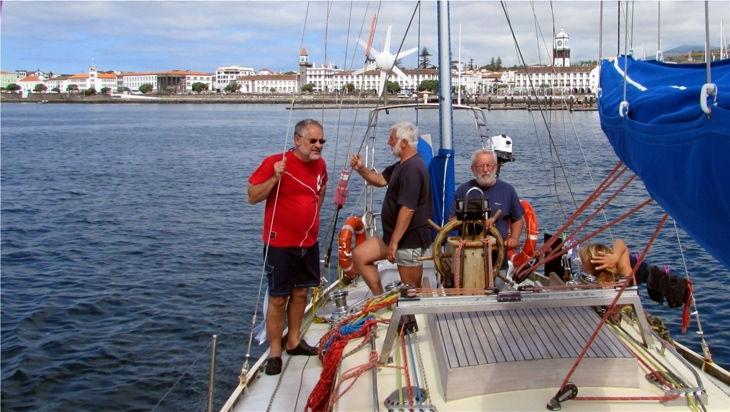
500,195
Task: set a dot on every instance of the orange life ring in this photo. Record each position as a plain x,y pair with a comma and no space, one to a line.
530,245
353,227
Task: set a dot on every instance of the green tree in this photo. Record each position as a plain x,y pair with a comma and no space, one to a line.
199,87
170,89
40,87
90,91
308,88
423,59
392,87
429,85
105,90
146,88
498,63
12,87
272,90
232,87
349,88
72,88
56,89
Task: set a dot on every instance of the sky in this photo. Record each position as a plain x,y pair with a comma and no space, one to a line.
68,36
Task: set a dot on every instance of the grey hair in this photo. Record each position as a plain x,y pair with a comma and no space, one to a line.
407,131
482,151
302,125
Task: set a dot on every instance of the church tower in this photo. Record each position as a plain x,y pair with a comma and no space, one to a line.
561,50
303,66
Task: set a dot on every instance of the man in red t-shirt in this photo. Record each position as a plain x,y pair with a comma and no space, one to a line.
293,184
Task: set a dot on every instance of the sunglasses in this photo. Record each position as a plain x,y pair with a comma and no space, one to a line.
321,141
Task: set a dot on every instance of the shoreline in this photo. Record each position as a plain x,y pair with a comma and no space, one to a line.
303,102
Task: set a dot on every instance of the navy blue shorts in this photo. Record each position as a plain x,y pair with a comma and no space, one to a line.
288,268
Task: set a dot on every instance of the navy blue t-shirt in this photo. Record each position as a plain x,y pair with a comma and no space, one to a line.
408,185
501,196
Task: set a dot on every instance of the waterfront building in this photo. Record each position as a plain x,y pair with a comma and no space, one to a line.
133,80
303,66
7,78
171,81
328,78
57,83
198,77
270,83
28,83
227,74
92,79
555,80
561,49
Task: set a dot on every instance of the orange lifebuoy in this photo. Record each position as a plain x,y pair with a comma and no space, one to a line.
353,227
530,245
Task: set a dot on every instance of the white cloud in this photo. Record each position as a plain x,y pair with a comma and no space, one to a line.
260,33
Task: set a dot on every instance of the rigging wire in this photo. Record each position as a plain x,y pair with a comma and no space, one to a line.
197,358
542,111
247,357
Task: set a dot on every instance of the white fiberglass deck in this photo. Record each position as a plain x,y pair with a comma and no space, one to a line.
525,349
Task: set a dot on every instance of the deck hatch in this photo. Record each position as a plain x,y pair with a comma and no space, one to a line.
482,352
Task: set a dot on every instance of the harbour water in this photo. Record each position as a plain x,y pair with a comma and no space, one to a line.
127,239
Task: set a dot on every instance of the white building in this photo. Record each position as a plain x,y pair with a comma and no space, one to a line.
555,80
561,49
92,79
28,83
133,80
330,79
227,74
271,83
199,77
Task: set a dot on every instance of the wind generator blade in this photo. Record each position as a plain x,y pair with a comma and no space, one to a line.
406,53
386,46
381,83
399,72
370,53
371,66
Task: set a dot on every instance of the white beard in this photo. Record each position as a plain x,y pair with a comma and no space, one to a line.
396,150
486,179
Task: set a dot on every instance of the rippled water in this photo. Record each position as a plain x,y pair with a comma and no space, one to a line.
127,240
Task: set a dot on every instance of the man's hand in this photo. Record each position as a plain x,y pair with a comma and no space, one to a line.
357,163
392,250
279,168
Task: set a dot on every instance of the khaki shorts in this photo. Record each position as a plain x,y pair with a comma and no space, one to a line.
409,257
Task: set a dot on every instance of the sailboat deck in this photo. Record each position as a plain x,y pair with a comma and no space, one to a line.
532,346
481,338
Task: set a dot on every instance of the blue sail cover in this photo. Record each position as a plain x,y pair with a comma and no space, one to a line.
682,156
443,185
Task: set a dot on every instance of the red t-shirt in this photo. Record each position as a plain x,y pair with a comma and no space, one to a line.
296,221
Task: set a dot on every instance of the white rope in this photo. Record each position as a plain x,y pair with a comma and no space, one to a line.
708,89
244,368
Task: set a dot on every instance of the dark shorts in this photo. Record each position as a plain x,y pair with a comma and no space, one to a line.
288,268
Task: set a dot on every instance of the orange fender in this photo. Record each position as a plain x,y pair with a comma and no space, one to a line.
530,245
353,227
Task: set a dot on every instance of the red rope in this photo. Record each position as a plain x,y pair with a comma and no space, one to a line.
550,245
320,395
409,389
662,398
624,284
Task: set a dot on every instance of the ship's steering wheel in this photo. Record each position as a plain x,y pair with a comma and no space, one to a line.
443,260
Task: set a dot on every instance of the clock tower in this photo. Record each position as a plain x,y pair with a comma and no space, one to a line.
561,49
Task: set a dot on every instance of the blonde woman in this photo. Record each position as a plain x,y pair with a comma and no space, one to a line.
608,265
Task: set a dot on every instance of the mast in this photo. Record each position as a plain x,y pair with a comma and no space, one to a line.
444,55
